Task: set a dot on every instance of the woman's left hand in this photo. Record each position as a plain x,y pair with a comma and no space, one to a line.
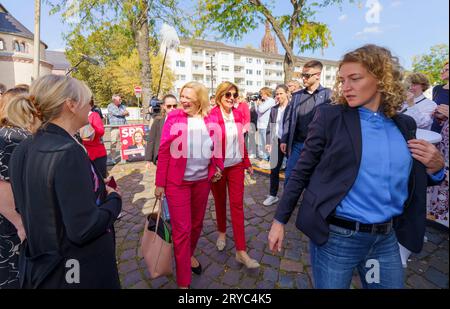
250,170
217,175
427,154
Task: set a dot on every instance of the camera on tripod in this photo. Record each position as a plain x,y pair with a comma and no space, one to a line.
154,106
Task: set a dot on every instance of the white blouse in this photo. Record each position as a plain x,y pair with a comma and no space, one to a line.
232,152
199,150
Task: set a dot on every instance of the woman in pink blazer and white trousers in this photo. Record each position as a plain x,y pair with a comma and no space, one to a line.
186,166
236,161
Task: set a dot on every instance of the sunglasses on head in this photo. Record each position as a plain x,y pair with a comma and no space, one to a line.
228,95
307,75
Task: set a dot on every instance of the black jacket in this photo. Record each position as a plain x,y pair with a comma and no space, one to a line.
152,147
328,167
322,96
53,188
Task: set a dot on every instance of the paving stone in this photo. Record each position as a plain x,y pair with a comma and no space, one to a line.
265,285
270,275
419,282
271,260
127,267
131,279
247,283
288,265
231,277
302,281
128,254
286,281
159,282
214,271
140,286
440,265
437,278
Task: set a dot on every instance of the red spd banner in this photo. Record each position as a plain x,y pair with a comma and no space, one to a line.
133,141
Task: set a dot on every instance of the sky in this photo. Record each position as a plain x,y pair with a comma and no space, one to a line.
407,27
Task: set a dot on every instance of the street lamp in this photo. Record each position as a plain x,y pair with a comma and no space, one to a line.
37,38
211,67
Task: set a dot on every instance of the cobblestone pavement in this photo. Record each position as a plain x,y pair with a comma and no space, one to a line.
289,269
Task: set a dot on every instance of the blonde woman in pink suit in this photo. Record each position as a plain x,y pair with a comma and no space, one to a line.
234,152
186,166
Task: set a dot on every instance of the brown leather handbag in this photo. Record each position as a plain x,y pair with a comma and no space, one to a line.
156,244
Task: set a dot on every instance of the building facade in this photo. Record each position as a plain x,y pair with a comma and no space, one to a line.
16,52
251,69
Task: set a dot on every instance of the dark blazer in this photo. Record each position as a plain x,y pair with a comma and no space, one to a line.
53,186
322,96
328,167
151,150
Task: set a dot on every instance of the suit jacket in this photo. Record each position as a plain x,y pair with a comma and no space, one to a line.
240,124
172,154
65,216
328,167
323,95
152,147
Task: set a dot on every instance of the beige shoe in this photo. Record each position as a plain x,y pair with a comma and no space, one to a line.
221,244
249,263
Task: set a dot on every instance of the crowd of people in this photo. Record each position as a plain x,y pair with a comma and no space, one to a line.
350,154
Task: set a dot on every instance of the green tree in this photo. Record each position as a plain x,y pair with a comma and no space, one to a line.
125,74
234,18
140,18
431,64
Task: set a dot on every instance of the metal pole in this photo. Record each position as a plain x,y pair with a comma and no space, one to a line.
212,76
162,71
37,38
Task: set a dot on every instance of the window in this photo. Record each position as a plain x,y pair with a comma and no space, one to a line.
279,64
23,47
225,68
279,74
181,77
258,72
258,61
196,53
249,83
2,45
16,46
258,84
181,63
249,60
248,71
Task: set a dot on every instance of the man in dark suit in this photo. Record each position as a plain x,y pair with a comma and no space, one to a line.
169,102
301,111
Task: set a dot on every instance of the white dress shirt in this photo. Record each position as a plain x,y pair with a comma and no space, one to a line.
421,111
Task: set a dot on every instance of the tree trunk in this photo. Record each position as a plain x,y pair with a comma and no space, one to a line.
143,47
288,66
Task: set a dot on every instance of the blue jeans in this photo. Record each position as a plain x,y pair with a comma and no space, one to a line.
375,256
292,160
262,153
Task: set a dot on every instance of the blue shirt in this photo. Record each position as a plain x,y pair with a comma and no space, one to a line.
381,187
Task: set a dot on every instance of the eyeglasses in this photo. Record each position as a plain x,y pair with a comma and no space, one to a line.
168,106
308,75
228,95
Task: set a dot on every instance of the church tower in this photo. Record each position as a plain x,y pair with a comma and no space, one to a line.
268,43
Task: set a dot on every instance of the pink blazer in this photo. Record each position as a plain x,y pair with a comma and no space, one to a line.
239,120
172,154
